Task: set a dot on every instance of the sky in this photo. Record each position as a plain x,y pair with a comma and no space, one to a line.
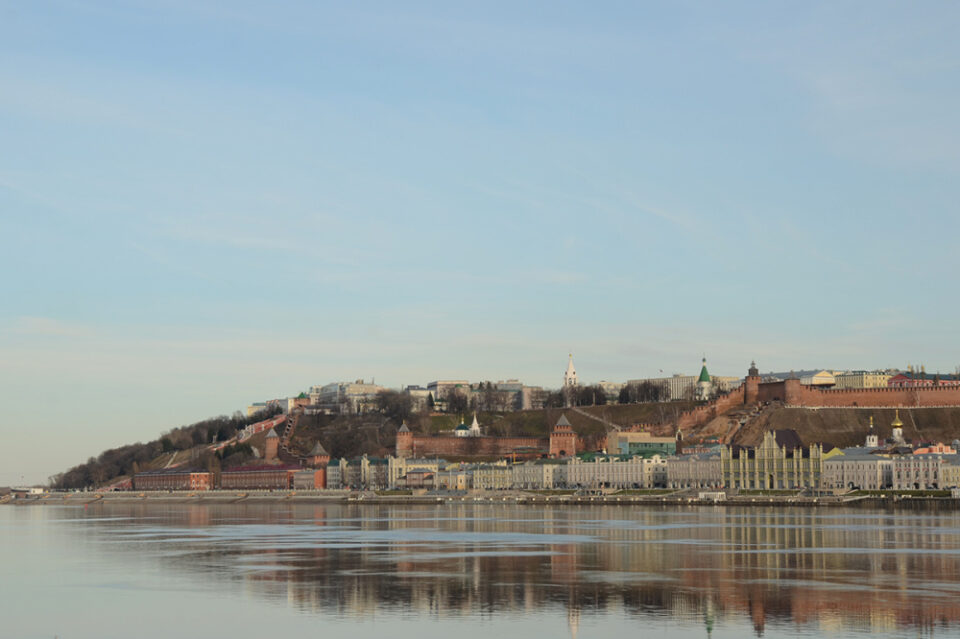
207,204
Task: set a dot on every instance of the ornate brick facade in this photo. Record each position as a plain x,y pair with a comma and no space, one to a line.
173,479
258,477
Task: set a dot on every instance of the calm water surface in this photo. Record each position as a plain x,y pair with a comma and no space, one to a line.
474,571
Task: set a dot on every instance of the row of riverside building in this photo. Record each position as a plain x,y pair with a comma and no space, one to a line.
271,474
780,462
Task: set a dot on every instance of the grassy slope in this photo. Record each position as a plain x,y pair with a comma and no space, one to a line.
849,426
376,435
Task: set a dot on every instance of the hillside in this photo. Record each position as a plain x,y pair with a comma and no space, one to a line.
177,446
375,434
586,420
847,426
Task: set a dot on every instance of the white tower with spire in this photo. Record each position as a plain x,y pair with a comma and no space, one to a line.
872,440
475,427
570,377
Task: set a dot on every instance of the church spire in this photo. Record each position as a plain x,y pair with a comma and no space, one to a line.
475,427
570,377
704,387
704,375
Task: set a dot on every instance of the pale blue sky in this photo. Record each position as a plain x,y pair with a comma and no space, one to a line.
207,204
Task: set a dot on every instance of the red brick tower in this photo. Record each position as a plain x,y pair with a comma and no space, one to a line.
563,441
751,385
404,441
271,446
792,392
318,457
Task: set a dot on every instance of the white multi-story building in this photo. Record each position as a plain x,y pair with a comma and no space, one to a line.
610,471
538,475
678,386
442,388
495,476
686,386
780,462
419,396
532,397
694,471
916,472
856,470
345,397
336,471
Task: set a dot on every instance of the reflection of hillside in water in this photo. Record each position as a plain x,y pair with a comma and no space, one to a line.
826,568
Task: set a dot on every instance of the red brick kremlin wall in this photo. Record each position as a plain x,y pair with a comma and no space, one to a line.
430,445
792,393
703,414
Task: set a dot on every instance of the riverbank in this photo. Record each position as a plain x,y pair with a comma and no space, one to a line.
87,499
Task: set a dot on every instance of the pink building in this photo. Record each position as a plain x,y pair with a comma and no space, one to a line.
938,448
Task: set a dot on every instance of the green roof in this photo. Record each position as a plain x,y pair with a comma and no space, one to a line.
704,375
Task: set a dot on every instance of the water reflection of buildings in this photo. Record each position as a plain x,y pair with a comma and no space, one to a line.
868,570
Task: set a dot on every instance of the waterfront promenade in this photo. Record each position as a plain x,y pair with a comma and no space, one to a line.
647,499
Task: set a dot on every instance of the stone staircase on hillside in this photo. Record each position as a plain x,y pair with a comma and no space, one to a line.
741,417
588,415
284,452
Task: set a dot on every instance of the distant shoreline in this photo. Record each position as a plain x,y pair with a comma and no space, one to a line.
220,497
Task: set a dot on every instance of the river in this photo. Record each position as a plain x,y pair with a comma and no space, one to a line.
475,570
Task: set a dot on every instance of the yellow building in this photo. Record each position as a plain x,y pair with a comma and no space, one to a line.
495,476
862,379
398,467
819,378
456,478
950,472
780,462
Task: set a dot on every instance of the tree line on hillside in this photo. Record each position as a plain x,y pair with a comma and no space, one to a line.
501,401
399,406
349,435
646,391
130,459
